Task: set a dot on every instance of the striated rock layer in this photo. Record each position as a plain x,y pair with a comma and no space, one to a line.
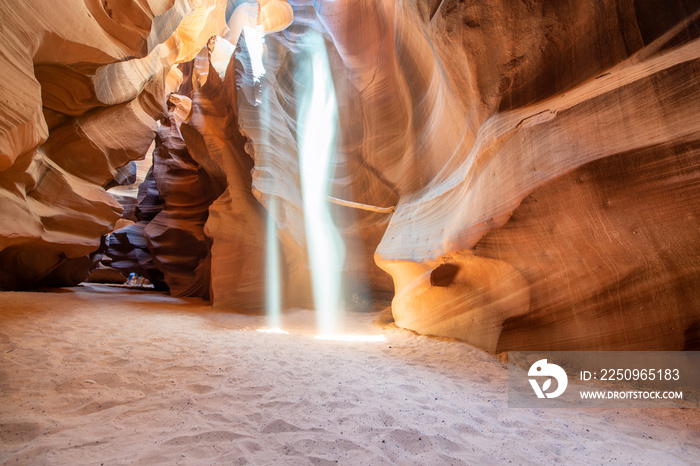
541,156
175,235
84,82
127,248
268,117
236,222
561,216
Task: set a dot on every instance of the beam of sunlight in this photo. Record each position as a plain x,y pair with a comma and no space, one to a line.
344,337
316,128
273,289
255,43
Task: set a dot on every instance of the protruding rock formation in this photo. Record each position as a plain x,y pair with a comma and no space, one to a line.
235,225
176,234
560,217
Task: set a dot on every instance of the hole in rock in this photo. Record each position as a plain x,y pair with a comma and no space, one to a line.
444,275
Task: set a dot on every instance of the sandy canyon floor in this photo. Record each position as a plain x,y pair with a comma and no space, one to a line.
103,375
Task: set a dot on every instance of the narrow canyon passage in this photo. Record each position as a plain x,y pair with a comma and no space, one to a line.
108,375
461,183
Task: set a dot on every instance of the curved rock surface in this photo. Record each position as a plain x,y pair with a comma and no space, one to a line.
84,81
463,113
175,235
560,216
127,248
235,225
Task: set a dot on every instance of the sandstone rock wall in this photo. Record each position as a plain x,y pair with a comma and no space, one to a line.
127,248
84,82
561,218
269,119
236,221
465,114
175,235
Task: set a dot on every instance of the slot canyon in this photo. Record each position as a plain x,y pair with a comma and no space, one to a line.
454,180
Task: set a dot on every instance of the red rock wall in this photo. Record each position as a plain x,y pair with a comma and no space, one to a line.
176,234
562,216
61,139
465,114
84,83
268,112
236,222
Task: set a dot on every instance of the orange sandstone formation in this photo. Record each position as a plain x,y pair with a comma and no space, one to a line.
84,82
58,142
521,138
175,235
560,218
235,225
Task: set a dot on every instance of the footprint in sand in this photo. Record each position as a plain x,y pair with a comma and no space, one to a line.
200,389
96,406
214,436
410,440
409,388
278,426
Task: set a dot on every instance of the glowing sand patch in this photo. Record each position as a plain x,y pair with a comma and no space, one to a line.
342,337
277,331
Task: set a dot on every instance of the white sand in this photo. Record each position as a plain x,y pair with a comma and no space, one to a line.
101,375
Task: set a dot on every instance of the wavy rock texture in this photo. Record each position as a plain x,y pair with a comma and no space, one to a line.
485,123
127,248
268,112
275,175
236,222
239,126
556,200
175,235
84,81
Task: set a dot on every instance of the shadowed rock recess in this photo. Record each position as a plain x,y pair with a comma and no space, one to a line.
543,158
